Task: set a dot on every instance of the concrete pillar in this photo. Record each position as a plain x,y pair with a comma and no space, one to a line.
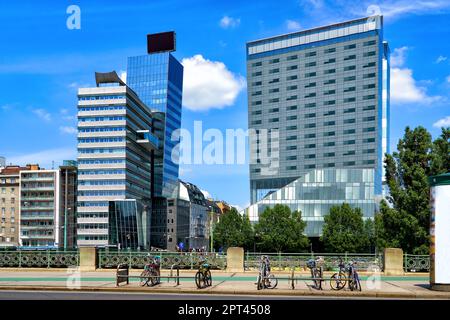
393,261
235,259
88,258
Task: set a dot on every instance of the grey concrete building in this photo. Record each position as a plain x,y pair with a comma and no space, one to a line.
325,92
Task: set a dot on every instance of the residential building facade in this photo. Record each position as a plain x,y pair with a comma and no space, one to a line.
115,143
323,96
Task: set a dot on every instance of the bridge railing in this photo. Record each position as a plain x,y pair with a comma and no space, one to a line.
416,263
287,261
39,259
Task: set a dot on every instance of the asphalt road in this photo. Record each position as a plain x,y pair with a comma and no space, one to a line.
80,295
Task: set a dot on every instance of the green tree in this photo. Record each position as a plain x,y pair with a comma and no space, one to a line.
233,230
406,223
440,154
344,230
281,230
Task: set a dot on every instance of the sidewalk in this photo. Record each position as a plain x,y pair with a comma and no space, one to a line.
409,286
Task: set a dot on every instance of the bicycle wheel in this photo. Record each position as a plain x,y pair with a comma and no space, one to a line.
338,281
272,281
143,280
208,278
199,280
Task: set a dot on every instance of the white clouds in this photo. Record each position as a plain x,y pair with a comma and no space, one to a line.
404,88
45,157
206,194
441,58
398,57
293,25
444,122
68,130
448,79
209,84
123,75
391,9
229,22
43,114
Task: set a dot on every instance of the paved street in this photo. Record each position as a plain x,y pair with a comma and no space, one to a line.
237,284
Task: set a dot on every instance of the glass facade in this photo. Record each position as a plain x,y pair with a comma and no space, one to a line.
129,224
318,190
157,78
325,92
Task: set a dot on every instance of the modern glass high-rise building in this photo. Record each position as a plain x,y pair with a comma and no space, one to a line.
115,143
157,78
325,91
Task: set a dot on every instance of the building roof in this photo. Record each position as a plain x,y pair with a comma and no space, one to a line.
108,77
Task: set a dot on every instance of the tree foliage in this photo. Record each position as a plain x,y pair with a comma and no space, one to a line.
279,229
233,230
345,231
405,223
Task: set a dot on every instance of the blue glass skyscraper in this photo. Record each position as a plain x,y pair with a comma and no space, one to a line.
157,78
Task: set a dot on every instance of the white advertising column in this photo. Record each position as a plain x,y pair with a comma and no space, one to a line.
440,232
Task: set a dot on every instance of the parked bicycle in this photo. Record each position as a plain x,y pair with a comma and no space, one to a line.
151,273
203,276
265,279
316,267
347,274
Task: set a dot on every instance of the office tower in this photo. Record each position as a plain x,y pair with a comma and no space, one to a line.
9,205
40,224
115,143
157,78
2,162
325,91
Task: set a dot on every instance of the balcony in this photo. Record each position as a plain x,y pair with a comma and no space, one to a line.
147,139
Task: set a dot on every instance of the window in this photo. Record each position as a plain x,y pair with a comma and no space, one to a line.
349,163
350,57
347,121
365,151
371,118
368,162
291,98
310,95
310,156
310,166
328,92
329,71
310,74
349,142
289,148
256,112
350,89
257,64
290,108
291,128
369,54
310,146
294,57
310,115
370,129
294,67
329,123
369,43
274,100
310,125
274,61
331,81
290,138
369,97
367,108
350,46
310,105
329,134
369,75
291,118
274,120
349,68
349,131
291,78
329,113
369,86
274,110
256,93
368,140
310,135
328,165
254,122
291,88
255,74
310,64
349,153
351,78
311,54
329,154
274,90
276,80
329,144
370,64
329,102
271,71
352,99
256,103
310,85
291,158
329,50
332,60
257,83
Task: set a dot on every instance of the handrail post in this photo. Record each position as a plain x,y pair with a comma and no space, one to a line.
48,259
20,258
178,275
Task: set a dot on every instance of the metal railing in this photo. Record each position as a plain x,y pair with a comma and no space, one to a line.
138,259
39,259
416,263
289,261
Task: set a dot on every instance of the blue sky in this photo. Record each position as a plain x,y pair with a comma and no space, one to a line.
42,63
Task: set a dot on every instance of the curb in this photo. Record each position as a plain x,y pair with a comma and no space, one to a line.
366,294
